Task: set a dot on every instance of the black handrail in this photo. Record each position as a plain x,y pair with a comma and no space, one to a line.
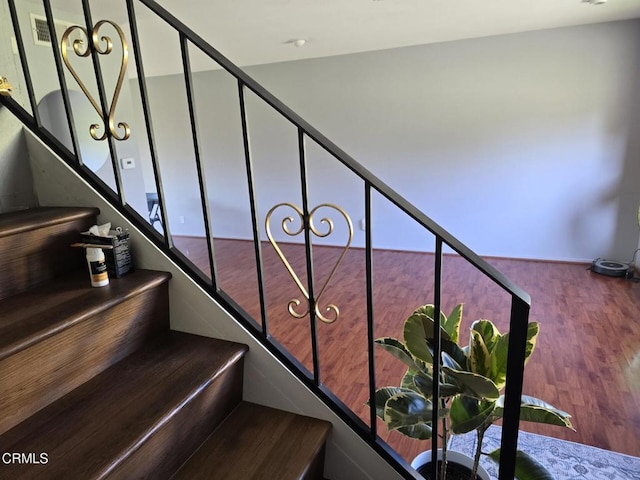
520,299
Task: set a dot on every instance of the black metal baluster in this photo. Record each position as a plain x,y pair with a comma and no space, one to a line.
437,293
144,97
309,253
103,103
370,317
188,81
61,78
254,208
513,390
24,62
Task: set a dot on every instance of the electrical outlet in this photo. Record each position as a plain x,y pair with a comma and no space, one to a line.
127,163
14,46
181,218
362,224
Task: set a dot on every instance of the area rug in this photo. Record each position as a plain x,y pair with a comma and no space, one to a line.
565,460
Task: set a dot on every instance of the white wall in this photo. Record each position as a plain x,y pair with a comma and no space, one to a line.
520,145
16,190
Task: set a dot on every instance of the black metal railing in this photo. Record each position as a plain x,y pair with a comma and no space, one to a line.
260,327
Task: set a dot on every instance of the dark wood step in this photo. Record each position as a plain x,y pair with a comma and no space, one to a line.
57,336
34,245
141,418
257,442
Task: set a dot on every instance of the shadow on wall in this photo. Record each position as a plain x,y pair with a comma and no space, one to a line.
625,196
95,155
52,112
628,194
16,182
608,218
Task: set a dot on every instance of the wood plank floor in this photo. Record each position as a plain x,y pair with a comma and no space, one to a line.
587,360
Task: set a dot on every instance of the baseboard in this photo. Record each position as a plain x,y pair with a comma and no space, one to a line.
446,254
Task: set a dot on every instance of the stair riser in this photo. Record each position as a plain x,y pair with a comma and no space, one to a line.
316,467
176,440
43,372
37,256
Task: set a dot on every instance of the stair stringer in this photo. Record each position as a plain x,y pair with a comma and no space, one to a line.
266,380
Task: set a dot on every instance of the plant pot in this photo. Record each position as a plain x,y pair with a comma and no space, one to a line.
458,462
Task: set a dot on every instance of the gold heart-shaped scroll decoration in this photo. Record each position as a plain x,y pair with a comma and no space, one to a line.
5,87
83,50
286,222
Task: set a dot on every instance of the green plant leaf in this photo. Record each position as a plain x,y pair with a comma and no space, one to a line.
452,323
418,329
456,353
429,310
408,410
419,335
399,350
420,431
533,330
449,361
424,384
535,410
499,361
407,379
530,413
382,395
527,468
479,358
467,414
472,384
490,334
501,350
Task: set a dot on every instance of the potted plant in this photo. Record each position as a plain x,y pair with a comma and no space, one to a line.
471,379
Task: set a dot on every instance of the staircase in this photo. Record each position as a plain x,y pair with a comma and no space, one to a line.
94,379
94,384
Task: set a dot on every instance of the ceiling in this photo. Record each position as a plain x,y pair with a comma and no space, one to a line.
251,32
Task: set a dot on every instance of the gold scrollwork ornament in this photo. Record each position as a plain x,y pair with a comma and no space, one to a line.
5,87
286,228
83,49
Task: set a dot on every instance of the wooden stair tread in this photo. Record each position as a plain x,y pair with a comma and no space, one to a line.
94,429
42,311
258,442
35,246
21,221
